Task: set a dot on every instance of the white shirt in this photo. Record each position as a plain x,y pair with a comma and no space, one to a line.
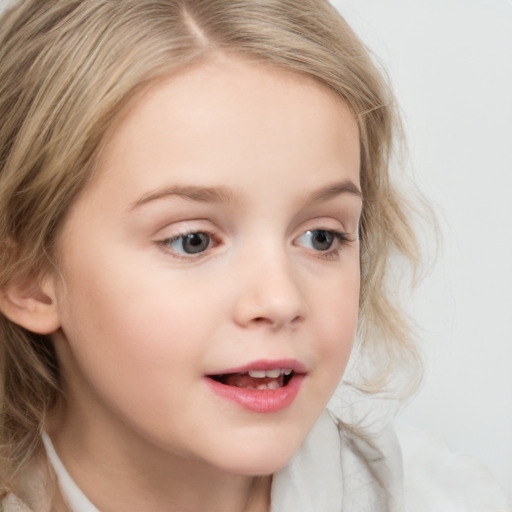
391,469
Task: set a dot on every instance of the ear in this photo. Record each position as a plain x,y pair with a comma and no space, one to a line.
31,304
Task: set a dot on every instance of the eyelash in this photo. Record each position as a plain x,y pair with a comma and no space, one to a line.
166,243
341,239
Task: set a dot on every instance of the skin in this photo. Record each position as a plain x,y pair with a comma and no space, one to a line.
141,322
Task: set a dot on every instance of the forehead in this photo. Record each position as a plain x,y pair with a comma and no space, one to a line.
229,117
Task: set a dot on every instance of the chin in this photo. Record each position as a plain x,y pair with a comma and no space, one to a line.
265,457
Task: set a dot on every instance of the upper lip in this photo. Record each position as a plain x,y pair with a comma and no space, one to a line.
265,364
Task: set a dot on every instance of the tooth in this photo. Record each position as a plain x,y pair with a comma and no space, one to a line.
257,374
287,372
262,386
273,374
273,384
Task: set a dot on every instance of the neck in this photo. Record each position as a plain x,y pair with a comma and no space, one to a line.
123,474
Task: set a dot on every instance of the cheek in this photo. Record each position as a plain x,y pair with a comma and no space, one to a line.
118,321
336,317
130,350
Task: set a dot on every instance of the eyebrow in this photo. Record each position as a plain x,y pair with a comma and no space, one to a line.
224,195
335,190
191,192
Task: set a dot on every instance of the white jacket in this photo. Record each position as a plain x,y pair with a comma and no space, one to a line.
389,468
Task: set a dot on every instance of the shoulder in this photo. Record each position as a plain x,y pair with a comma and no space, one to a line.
435,479
403,467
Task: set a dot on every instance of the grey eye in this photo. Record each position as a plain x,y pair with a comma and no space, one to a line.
319,239
192,243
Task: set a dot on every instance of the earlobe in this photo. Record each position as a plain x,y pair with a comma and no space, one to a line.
31,304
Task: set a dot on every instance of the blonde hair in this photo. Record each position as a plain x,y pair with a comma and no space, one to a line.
67,69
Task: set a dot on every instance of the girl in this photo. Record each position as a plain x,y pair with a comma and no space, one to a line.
196,219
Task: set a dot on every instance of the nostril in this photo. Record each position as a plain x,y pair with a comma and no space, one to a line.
297,319
275,323
260,320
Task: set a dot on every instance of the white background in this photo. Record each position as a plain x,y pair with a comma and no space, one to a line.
450,62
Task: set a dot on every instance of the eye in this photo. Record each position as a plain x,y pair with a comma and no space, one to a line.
320,239
190,243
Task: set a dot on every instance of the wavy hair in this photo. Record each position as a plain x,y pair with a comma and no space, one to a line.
68,68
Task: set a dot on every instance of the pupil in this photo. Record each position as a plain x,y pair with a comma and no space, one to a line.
195,242
322,240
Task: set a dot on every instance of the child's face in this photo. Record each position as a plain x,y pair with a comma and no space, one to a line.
204,245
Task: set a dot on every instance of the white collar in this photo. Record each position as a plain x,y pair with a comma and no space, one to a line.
75,499
333,470
298,486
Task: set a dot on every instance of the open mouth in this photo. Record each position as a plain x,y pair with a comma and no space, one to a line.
256,379
262,386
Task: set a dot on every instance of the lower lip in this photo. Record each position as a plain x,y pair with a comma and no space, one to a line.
259,400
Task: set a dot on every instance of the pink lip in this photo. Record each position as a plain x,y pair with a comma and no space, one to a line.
261,400
266,364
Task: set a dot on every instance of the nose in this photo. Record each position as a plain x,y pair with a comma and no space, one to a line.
269,294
